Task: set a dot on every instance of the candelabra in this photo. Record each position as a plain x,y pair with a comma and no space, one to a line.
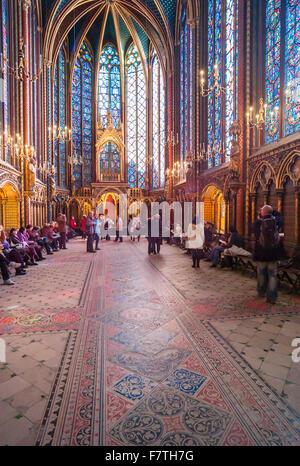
178,169
259,120
6,141
59,134
216,88
19,71
172,140
210,152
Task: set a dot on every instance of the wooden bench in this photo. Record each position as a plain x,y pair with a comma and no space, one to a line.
289,271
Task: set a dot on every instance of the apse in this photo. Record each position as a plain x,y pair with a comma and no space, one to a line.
114,62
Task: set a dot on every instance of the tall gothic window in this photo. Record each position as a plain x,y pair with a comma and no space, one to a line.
273,29
158,124
223,57
60,117
34,64
136,107
110,161
292,67
82,125
5,59
282,84
186,86
109,85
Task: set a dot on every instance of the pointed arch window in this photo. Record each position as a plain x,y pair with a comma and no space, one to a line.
186,86
158,125
110,161
292,67
223,53
60,117
82,123
282,68
273,29
5,57
109,85
136,118
35,97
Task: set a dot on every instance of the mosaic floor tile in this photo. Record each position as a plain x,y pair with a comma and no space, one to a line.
146,362
145,423
134,387
156,367
186,381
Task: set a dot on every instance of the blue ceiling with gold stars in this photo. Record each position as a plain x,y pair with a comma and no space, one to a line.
169,7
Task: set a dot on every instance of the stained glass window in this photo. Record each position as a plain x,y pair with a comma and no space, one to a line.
109,85
136,106
35,83
158,125
60,117
82,116
110,160
273,52
223,57
186,86
231,74
292,67
5,76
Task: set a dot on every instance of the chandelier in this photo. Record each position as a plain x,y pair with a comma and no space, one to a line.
19,71
259,119
216,88
60,134
178,169
172,140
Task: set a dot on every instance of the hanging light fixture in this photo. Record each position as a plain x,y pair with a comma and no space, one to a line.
216,88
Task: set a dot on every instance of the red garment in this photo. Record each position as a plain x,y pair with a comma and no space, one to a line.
83,224
73,224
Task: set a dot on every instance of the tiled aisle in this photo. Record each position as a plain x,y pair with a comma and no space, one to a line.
123,350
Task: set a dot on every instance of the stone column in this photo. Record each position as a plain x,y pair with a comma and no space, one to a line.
280,193
297,215
24,47
170,124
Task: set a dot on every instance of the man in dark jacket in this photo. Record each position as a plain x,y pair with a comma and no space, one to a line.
89,230
266,253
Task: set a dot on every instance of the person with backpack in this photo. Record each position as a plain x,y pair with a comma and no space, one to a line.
267,253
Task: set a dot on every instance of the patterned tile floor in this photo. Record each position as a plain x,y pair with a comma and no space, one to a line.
118,348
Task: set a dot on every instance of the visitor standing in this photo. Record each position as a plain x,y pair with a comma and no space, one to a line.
119,229
97,231
90,231
82,226
266,253
108,225
135,227
158,233
62,230
195,236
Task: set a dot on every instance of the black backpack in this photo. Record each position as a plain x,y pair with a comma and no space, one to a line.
269,236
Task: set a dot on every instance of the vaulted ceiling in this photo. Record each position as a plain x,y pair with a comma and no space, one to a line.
167,10
143,21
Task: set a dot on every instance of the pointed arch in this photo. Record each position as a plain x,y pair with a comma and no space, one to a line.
136,118
82,116
158,123
109,85
186,83
59,117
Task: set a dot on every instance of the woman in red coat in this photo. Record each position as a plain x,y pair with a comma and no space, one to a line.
82,227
